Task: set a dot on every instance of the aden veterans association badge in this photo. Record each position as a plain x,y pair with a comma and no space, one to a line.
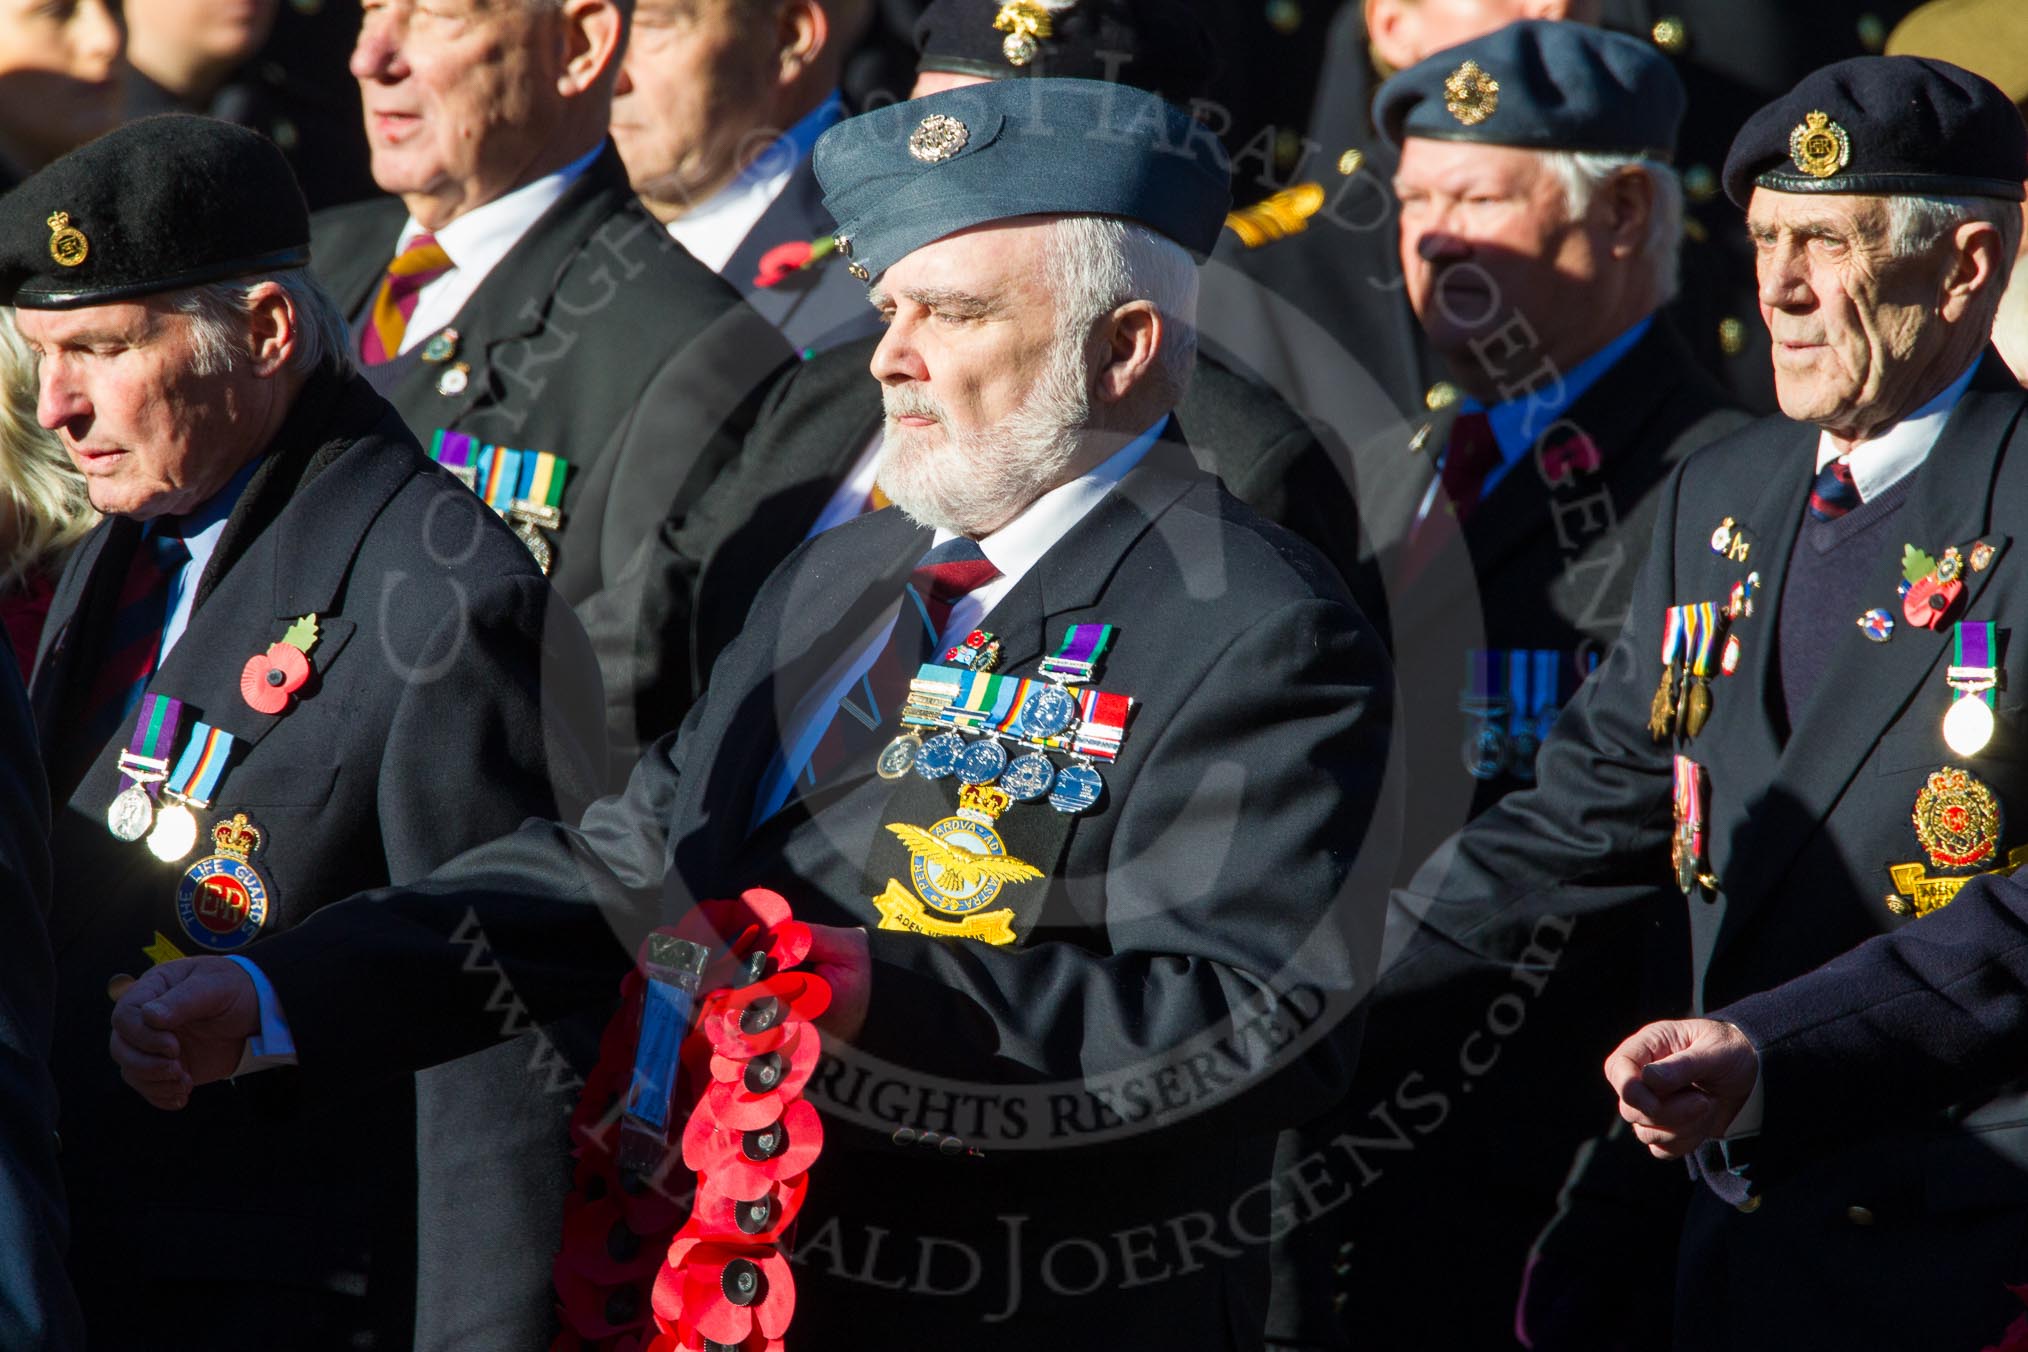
958,868
222,900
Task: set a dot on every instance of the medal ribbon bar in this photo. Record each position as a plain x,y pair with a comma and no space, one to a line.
146,759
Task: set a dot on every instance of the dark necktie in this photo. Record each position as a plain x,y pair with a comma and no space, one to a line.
1834,493
133,646
946,575
1471,454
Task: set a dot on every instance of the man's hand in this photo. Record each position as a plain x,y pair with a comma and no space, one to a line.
841,957
1681,1082
183,1024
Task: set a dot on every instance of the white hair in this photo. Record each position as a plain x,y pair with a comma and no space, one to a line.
1915,223
1584,172
218,311
1099,263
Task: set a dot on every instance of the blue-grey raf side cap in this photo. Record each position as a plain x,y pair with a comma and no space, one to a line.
1541,84
909,174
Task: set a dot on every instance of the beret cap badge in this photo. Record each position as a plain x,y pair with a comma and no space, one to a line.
67,244
937,138
1023,21
1470,95
1819,146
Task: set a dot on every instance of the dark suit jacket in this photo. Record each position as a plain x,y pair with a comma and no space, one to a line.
37,1310
452,697
1546,561
823,305
1802,833
825,412
599,339
1224,861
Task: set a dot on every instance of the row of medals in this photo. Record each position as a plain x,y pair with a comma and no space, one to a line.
1050,711
171,829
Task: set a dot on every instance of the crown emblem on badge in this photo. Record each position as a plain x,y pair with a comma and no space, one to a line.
984,800
67,244
1819,146
1023,21
1470,95
937,138
237,838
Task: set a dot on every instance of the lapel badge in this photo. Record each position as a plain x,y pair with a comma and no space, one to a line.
441,347
1878,624
269,681
1728,661
1730,541
1470,95
1023,21
1957,821
67,244
1740,606
1982,556
937,138
1932,586
454,380
1819,146
222,901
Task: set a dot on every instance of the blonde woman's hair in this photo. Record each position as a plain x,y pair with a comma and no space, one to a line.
42,496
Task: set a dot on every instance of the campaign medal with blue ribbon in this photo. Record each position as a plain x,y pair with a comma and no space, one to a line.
1533,685
1974,674
1485,748
223,899
524,487
143,765
932,688
188,792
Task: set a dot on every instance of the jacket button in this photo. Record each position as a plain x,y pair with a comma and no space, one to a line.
951,1145
1749,1206
904,1136
1858,1215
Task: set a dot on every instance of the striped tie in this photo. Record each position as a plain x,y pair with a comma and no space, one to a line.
421,263
946,575
1834,493
134,644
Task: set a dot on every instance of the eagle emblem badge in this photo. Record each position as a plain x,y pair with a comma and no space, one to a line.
958,868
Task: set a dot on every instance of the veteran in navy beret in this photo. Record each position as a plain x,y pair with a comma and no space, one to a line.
296,660
1801,741
1066,757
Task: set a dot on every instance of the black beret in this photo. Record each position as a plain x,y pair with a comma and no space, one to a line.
1883,125
1158,45
1541,84
909,174
159,204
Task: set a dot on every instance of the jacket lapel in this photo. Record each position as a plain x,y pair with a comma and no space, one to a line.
1950,504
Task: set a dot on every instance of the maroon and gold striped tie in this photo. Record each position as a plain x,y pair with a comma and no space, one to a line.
421,263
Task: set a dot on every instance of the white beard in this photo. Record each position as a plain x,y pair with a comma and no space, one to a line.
972,483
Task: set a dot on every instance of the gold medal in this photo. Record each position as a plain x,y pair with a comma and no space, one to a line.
1662,713
1697,707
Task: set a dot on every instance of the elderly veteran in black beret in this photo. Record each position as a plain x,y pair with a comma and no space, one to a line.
1540,232
296,661
1053,1091
1804,730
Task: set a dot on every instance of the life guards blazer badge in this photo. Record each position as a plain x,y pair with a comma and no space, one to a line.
958,868
222,900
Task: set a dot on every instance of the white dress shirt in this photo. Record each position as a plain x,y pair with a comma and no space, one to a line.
477,241
1887,459
714,229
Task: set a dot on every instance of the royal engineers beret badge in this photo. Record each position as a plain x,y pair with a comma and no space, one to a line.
1023,21
67,244
1819,146
938,138
1470,95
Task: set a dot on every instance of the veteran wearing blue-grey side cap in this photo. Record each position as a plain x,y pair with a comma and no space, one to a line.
1067,758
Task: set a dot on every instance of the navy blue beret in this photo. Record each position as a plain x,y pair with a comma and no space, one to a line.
1883,125
1541,84
159,204
1159,45
903,176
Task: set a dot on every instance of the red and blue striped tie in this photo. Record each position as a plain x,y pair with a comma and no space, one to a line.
133,646
1834,493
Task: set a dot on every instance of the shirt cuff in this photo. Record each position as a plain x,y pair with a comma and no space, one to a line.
1748,1121
272,1045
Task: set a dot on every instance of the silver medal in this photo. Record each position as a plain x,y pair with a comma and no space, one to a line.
131,814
